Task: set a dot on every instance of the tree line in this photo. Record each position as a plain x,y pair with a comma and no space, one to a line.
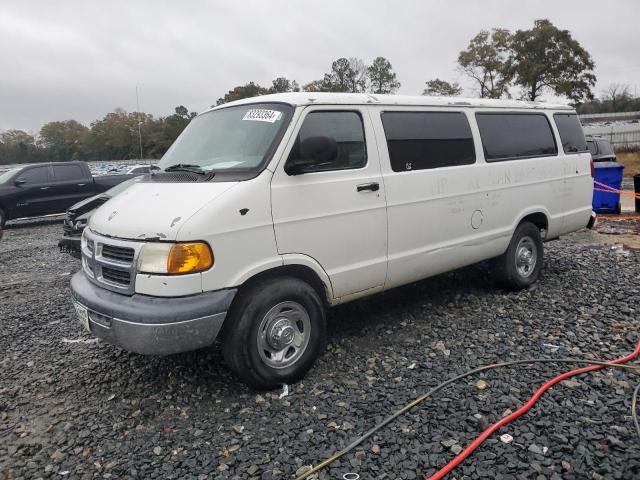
498,63
116,136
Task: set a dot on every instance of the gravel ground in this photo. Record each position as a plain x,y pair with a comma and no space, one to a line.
72,407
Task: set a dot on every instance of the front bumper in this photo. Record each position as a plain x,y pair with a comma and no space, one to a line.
152,325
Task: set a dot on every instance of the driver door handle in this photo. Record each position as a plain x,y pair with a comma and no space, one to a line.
44,188
374,187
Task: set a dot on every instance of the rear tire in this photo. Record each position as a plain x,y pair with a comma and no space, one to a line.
519,267
274,332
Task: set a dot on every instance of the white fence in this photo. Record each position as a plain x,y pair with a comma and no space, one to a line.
626,135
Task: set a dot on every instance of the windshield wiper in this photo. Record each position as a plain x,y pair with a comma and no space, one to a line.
187,167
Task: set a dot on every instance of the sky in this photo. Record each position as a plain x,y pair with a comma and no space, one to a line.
80,59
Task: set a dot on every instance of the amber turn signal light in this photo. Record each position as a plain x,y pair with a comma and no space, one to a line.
189,258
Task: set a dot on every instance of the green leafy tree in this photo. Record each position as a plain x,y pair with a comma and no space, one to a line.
383,78
486,62
283,85
17,146
546,58
64,141
116,135
248,90
164,131
346,75
442,88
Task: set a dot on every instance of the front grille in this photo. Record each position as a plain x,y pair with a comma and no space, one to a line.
120,254
88,265
110,262
114,275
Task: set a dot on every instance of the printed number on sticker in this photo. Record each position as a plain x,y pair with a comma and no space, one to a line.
262,115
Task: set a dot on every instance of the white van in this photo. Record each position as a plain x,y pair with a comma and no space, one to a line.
267,210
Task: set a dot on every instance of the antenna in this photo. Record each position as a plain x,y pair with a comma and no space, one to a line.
139,122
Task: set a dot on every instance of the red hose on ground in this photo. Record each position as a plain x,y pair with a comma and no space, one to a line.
521,411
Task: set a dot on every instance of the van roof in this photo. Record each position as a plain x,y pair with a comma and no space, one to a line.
326,98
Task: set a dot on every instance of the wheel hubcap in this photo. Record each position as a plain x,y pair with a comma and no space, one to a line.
283,334
526,256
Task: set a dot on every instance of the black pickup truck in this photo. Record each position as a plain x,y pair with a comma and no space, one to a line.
45,188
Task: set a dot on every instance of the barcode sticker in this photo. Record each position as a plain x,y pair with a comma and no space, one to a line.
262,115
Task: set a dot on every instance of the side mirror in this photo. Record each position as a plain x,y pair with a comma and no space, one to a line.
19,181
313,152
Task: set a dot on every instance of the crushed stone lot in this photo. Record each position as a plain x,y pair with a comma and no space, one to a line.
74,407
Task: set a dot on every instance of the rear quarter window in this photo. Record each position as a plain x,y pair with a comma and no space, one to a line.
425,140
571,134
68,173
512,136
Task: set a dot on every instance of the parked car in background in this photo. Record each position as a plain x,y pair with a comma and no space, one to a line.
46,188
139,169
267,210
77,216
600,148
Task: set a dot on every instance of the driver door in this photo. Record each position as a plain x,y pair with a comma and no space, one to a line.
34,192
334,211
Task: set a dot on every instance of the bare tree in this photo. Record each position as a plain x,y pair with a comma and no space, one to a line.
618,95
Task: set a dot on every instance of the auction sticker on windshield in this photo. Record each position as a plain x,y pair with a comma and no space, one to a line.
262,115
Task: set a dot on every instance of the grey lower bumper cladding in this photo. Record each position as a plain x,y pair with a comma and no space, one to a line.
152,325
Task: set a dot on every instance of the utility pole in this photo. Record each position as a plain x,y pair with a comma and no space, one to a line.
139,122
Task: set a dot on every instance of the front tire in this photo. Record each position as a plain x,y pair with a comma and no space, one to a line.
3,218
519,267
274,332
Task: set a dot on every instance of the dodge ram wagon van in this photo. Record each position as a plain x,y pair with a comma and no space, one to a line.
267,210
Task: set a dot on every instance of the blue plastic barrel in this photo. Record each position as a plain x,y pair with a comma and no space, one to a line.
609,173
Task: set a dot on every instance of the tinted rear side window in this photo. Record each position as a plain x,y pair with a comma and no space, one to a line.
423,140
591,145
571,134
68,173
509,136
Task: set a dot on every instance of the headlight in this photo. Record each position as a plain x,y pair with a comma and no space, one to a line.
175,258
83,240
80,224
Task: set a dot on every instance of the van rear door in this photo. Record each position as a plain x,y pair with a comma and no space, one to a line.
334,209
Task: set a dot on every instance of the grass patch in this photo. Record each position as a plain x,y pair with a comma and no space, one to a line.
631,162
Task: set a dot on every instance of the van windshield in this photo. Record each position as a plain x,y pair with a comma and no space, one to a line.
238,138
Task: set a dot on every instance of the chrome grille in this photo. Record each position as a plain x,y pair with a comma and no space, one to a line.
121,254
110,262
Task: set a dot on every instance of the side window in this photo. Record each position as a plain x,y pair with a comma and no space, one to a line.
509,136
592,146
423,140
571,134
343,129
35,175
68,173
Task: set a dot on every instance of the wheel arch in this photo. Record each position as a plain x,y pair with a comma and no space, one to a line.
318,281
539,217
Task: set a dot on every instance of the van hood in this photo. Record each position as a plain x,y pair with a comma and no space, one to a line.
155,211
